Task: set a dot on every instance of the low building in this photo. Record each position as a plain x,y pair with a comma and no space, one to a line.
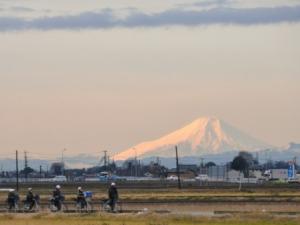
279,174
234,176
188,167
217,173
183,174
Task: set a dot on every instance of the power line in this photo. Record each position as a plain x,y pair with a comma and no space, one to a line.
7,155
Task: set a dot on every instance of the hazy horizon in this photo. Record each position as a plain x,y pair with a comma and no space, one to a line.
109,75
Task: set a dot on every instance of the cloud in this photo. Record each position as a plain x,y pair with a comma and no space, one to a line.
206,3
21,9
176,17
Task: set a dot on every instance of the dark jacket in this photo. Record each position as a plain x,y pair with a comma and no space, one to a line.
113,193
29,196
80,194
12,196
57,194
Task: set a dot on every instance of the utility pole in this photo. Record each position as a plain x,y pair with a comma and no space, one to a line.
139,168
201,169
177,168
17,171
25,160
136,164
2,172
62,155
257,157
157,161
202,162
105,160
40,171
25,165
62,161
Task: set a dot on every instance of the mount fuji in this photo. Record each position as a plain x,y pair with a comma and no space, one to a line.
206,135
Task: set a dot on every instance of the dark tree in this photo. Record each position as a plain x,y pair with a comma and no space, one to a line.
209,164
281,165
26,171
249,158
240,164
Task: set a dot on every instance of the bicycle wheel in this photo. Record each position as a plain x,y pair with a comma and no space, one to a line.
89,207
64,207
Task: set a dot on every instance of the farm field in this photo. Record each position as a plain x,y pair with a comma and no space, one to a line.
167,193
271,200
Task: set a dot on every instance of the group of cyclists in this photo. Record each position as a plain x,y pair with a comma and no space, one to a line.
31,201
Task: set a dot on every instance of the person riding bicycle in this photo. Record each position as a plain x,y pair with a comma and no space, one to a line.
81,198
12,199
113,196
30,199
57,197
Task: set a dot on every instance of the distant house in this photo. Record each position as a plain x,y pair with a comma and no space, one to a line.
217,173
256,174
224,173
279,174
183,174
234,175
188,167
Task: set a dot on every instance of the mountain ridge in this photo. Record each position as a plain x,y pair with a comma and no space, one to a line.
203,135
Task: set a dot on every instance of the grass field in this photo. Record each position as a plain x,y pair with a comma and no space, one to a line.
46,219
188,201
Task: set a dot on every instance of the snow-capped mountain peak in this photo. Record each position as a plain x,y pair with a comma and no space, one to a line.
202,136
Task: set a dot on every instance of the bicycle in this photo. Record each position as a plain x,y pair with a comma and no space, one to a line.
84,205
105,206
32,206
13,204
57,204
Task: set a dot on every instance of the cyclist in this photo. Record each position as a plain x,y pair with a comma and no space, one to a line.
113,196
81,201
30,199
57,197
12,199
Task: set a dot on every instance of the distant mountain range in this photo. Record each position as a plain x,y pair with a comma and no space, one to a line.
86,161
77,161
276,154
204,136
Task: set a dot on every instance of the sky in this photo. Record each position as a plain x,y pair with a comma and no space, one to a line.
90,75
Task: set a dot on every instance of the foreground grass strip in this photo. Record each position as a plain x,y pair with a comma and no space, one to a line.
50,219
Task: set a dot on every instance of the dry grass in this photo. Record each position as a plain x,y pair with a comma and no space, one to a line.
47,219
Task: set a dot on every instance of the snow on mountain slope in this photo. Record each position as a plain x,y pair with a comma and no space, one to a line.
204,135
